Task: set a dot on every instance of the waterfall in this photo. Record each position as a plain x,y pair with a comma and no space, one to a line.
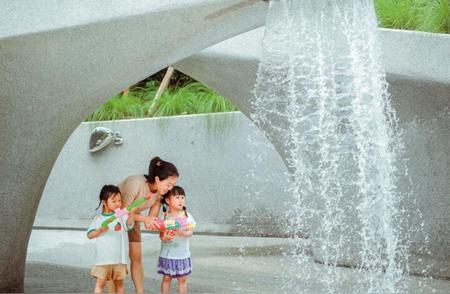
321,93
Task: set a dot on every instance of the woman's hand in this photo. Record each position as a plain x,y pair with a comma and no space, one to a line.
150,223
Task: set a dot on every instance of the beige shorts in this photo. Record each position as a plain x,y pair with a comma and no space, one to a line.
134,235
110,271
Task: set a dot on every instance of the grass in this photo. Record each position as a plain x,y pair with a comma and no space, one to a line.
420,15
190,98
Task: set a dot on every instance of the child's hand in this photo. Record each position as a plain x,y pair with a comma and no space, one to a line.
133,210
181,233
168,235
96,233
185,233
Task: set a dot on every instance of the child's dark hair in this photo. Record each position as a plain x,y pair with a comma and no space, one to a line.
106,192
161,169
176,190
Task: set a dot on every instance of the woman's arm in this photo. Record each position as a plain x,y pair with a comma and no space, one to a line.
139,217
154,210
150,222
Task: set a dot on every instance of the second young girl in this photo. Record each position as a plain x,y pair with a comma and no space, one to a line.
175,258
111,252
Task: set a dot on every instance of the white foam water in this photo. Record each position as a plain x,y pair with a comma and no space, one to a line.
321,96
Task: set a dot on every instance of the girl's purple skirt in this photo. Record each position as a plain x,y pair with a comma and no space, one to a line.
174,267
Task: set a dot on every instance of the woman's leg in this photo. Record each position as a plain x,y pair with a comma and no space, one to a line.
165,284
119,286
99,285
137,270
182,285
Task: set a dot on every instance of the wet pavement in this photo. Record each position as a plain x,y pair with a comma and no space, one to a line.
59,261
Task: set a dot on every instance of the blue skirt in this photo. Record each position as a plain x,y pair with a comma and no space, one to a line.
174,267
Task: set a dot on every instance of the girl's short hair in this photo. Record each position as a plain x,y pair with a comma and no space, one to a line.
161,169
106,192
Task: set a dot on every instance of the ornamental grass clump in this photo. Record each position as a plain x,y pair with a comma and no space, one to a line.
420,15
139,102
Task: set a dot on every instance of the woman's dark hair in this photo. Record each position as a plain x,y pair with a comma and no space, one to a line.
161,169
176,190
106,192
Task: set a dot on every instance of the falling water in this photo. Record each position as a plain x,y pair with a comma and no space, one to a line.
321,97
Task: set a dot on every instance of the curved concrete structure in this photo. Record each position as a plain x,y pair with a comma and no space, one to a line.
59,60
417,65
418,71
211,151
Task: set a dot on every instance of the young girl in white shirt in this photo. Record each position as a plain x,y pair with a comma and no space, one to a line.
111,251
175,258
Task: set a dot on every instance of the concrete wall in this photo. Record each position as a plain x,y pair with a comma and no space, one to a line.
60,60
231,173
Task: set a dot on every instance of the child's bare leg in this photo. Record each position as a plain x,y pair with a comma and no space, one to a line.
99,285
165,284
182,285
111,287
119,286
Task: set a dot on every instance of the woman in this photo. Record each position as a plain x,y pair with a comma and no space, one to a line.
162,176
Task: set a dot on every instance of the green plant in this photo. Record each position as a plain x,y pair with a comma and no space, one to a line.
399,14
207,101
422,15
189,99
119,107
436,17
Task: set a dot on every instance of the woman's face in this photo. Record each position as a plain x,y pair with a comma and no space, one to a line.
165,185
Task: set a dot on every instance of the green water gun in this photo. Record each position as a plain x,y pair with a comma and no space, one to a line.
121,212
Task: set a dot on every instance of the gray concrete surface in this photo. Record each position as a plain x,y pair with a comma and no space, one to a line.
59,261
418,72
59,61
224,161
220,264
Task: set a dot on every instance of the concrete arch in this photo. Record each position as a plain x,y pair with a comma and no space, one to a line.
59,61
416,64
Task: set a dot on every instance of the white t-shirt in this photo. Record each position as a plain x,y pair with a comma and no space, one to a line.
112,245
178,247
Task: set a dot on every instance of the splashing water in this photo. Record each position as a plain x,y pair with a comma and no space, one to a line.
321,97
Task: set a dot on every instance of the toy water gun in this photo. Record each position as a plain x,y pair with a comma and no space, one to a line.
174,223
121,212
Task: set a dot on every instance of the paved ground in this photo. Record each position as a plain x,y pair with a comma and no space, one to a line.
59,261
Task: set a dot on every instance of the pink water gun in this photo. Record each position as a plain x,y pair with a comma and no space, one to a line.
122,212
174,223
